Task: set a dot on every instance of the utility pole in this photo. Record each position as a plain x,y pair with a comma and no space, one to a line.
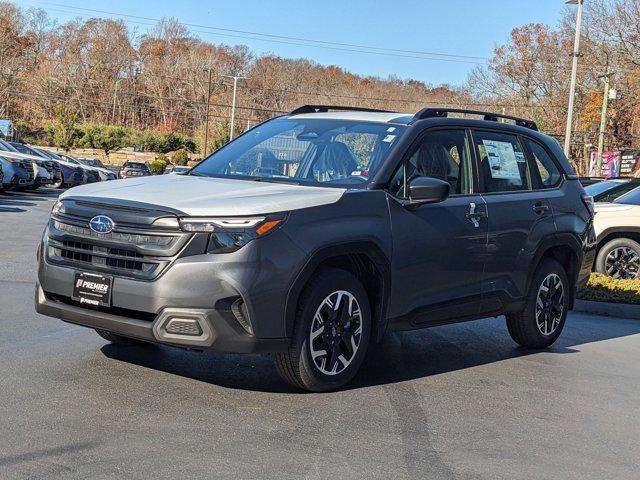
574,74
603,120
8,101
115,96
233,102
206,120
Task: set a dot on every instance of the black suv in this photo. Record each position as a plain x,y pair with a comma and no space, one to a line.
135,169
313,234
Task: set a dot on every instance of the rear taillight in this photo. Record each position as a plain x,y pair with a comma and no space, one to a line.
588,202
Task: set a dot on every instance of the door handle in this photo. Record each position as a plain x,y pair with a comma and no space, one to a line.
540,208
474,215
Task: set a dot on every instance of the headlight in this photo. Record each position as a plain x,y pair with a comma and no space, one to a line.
195,224
231,234
57,207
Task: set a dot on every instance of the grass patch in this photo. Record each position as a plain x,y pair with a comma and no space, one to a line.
601,288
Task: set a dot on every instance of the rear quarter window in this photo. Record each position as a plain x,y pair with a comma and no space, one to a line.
548,171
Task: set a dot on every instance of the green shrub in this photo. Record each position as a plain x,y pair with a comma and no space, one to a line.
602,288
181,157
158,166
112,137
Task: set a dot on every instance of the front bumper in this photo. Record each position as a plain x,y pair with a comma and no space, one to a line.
193,289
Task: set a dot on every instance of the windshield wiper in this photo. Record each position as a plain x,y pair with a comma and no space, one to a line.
197,174
274,180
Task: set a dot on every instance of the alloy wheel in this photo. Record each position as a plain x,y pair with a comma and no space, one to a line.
550,304
622,262
335,333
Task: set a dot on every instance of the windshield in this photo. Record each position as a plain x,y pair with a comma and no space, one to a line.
91,162
70,159
7,147
631,198
306,151
24,149
598,188
51,155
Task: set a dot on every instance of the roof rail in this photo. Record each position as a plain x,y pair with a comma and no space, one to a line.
325,108
493,117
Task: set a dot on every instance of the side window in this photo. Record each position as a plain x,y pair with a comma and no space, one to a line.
549,173
503,164
442,154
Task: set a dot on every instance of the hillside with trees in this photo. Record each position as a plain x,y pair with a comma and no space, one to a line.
97,83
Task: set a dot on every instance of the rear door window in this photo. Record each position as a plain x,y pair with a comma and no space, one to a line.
503,164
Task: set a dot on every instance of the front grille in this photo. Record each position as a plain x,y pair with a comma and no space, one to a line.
127,251
28,166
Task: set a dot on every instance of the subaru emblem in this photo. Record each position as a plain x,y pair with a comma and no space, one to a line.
101,224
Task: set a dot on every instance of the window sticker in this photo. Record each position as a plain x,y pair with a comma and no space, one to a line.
391,129
389,138
503,160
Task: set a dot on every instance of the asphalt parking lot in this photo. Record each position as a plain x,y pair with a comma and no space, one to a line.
458,401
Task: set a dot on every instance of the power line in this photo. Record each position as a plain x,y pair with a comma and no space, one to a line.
283,38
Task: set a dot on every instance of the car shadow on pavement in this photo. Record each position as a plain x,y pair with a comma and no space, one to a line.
398,358
33,195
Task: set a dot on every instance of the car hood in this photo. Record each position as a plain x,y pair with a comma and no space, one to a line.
19,156
612,207
205,196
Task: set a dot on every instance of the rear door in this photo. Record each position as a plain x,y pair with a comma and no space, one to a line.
519,215
437,248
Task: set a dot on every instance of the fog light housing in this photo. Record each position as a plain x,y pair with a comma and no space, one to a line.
183,326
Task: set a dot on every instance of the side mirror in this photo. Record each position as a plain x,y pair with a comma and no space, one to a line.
427,190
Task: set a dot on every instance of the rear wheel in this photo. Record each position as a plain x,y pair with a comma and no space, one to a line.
619,258
540,323
117,339
331,334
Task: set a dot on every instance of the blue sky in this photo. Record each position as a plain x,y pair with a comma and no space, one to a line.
459,27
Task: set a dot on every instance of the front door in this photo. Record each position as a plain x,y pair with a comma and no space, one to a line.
438,248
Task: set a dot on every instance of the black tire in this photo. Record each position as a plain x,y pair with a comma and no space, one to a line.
57,183
117,339
524,326
621,268
296,366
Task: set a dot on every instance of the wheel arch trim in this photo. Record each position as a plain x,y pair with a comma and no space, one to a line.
559,240
366,247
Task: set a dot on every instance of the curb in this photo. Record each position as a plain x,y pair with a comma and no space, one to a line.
620,310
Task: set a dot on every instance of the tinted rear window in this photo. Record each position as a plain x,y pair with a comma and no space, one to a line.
135,165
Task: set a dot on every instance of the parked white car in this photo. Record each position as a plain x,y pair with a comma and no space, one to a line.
617,228
104,173
179,170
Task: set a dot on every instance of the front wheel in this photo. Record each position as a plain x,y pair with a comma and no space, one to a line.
541,321
331,334
58,183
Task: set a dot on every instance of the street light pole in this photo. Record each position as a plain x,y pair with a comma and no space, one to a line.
233,102
206,120
574,74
